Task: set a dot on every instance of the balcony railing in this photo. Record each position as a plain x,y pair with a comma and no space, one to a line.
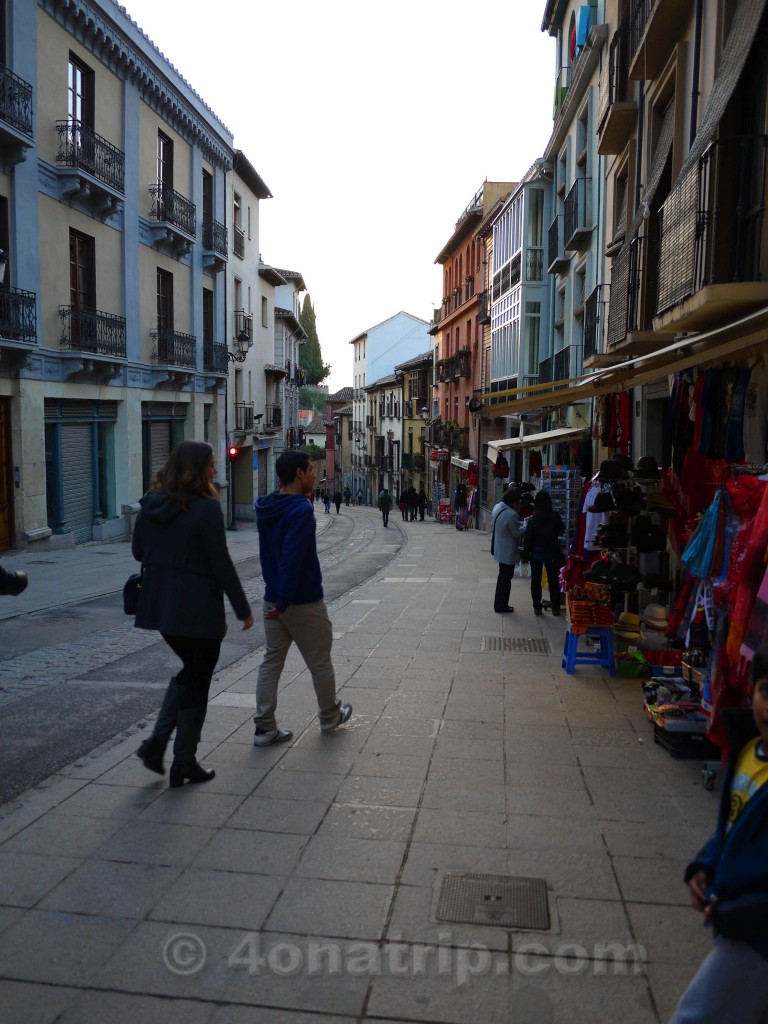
173,208
534,264
215,237
545,370
15,101
576,226
641,13
483,308
244,416
556,250
238,241
243,326
593,321
565,363
419,462
215,357
171,348
273,417
407,460
80,146
18,315
614,87
90,330
463,367
624,308
712,223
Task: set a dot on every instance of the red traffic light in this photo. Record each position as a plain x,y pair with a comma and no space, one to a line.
232,451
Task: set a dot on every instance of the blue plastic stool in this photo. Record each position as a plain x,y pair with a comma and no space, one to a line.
602,655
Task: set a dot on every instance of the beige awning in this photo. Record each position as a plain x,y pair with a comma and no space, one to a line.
495,448
462,463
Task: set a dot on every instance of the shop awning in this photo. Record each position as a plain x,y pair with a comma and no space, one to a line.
506,444
462,463
718,345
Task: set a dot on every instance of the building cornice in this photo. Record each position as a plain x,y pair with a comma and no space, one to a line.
111,44
583,70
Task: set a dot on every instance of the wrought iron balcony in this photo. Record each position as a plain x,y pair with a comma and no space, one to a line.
576,228
463,367
244,416
81,147
557,257
243,326
712,223
419,462
215,357
15,101
273,417
215,238
18,315
171,348
483,308
172,208
624,308
656,26
91,330
616,112
562,363
546,367
407,460
594,310
534,264
238,241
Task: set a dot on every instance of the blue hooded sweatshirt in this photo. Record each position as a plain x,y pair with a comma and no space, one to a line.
287,549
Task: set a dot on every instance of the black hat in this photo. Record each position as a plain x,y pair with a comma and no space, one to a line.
599,571
603,503
629,502
624,577
526,487
610,471
623,460
647,468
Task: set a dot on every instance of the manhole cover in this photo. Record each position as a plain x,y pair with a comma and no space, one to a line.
506,901
518,645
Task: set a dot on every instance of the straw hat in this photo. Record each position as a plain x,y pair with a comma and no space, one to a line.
655,616
628,626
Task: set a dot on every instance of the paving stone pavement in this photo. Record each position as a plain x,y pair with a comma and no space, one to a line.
302,883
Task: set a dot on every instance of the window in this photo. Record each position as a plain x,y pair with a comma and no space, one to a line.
207,316
164,160
238,235
164,302
82,278
79,92
264,312
207,197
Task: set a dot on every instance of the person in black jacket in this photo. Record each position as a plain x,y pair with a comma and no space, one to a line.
541,547
180,541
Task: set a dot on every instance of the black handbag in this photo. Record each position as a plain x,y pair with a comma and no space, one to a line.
131,592
745,917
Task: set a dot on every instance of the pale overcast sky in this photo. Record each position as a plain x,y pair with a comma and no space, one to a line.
373,125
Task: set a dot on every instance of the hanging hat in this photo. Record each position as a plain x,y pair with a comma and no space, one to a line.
647,468
628,626
624,577
610,471
599,571
623,460
657,502
629,501
656,581
655,616
603,503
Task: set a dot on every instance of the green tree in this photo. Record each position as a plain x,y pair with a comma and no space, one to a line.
311,356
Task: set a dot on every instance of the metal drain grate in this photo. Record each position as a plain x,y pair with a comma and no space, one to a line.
506,901
518,645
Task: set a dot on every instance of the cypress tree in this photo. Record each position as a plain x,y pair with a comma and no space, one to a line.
311,356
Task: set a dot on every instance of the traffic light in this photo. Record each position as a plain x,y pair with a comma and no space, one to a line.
232,452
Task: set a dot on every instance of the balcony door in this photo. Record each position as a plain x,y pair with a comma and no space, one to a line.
80,93
82,288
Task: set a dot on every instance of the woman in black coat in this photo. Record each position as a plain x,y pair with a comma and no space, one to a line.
180,541
541,547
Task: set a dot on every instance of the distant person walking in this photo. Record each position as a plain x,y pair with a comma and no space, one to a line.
327,502
422,503
385,504
359,497
294,609
541,547
504,546
337,499
347,496
179,539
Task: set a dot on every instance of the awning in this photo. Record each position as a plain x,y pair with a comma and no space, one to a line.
462,463
505,444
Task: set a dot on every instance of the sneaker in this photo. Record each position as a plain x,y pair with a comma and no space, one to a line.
345,713
265,737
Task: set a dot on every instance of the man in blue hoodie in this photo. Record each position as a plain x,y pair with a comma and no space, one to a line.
294,609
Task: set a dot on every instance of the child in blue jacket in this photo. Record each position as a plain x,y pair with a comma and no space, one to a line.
728,878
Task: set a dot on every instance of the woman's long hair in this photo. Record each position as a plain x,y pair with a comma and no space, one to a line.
185,474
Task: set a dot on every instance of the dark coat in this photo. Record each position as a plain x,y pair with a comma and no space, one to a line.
186,568
542,532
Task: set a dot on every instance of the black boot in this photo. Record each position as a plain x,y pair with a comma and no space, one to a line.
151,753
189,724
152,749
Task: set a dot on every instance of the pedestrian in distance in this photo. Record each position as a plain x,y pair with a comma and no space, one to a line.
12,582
412,500
337,499
294,609
317,494
422,503
186,570
327,502
385,504
504,545
728,878
402,504
347,496
541,547
359,497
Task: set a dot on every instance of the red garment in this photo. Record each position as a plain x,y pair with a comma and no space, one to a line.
534,462
751,575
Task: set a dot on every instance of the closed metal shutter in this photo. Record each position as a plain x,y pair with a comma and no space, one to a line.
159,445
77,478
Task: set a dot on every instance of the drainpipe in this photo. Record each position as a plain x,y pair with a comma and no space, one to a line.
696,64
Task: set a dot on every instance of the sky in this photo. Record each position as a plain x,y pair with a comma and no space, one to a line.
373,126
